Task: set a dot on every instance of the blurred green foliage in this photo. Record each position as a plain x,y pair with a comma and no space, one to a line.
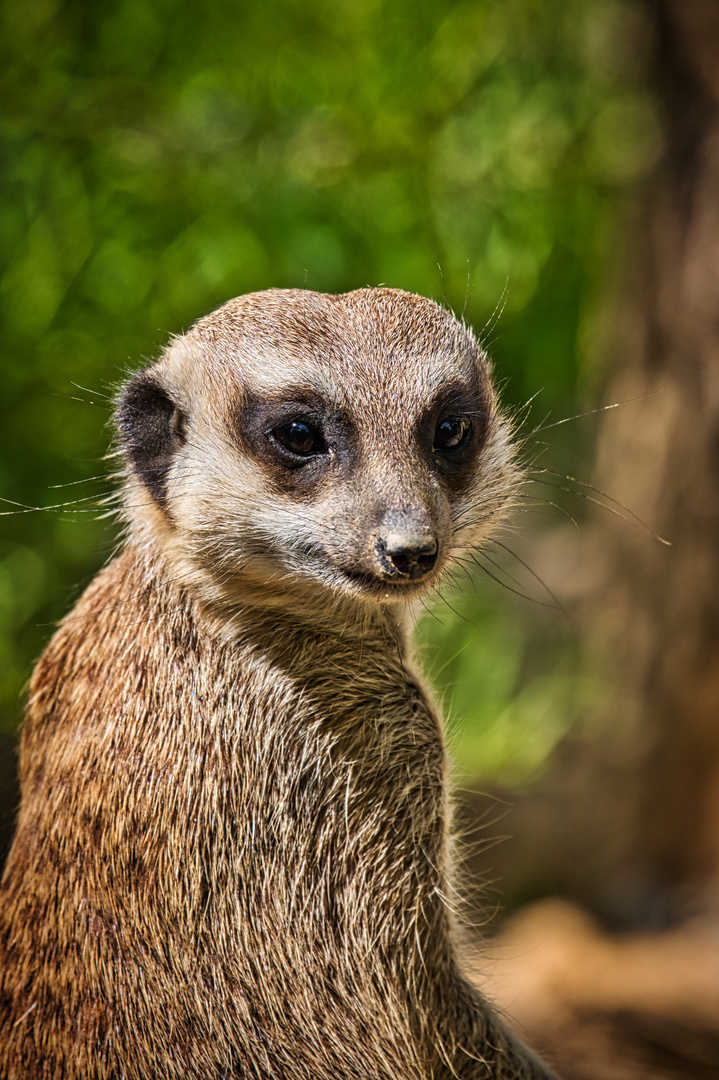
159,158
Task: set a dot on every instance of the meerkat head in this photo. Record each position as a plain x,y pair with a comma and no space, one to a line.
299,444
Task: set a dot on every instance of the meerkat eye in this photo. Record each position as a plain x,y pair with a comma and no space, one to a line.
300,438
452,433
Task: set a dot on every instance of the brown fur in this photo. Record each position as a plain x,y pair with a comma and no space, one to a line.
232,849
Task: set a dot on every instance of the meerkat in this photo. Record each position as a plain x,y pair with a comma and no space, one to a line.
232,855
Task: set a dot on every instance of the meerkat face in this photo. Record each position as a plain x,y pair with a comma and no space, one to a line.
295,441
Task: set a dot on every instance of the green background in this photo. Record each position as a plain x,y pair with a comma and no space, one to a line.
159,158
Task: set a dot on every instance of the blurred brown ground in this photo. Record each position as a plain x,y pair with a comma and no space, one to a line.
608,1007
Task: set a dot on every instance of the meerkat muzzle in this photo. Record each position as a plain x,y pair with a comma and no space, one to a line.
407,546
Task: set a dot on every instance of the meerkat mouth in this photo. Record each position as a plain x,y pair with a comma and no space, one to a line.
378,586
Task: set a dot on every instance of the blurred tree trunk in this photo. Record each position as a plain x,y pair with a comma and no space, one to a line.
657,608
627,820
646,1004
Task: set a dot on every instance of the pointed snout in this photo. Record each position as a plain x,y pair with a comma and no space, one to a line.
406,544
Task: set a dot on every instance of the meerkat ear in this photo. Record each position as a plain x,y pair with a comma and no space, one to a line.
152,429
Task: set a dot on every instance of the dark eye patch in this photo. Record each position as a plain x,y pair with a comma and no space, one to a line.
294,434
152,428
454,429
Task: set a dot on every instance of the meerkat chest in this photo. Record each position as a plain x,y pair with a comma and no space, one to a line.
350,750
317,794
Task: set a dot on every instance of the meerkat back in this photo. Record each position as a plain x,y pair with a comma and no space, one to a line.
232,854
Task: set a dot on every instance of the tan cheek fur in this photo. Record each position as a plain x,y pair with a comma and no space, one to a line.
233,856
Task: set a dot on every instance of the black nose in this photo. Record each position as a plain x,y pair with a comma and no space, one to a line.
407,546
